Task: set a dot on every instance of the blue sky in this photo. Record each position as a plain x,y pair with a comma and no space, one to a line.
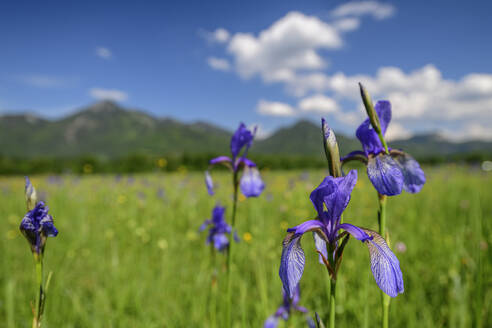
267,63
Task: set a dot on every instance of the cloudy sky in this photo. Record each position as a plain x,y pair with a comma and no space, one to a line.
262,62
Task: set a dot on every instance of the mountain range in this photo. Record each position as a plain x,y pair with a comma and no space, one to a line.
107,130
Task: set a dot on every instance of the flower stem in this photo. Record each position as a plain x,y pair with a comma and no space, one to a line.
333,289
36,321
229,253
385,299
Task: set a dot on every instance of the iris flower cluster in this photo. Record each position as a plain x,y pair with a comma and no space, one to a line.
251,184
390,171
37,224
285,310
219,229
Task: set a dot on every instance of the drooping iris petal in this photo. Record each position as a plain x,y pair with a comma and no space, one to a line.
320,246
209,183
366,134
242,137
356,232
385,266
385,175
220,241
271,322
291,263
251,184
413,175
220,159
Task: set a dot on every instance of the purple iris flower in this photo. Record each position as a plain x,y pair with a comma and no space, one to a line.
36,226
284,310
217,234
251,184
330,199
389,173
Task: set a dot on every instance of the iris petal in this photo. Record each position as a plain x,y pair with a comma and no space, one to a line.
242,137
251,184
220,159
413,175
385,175
385,266
271,322
366,134
291,263
356,232
320,246
209,183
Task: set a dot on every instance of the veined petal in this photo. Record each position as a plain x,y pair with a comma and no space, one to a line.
251,184
385,266
385,175
337,202
291,263
220,159
413,175
355,231
209,183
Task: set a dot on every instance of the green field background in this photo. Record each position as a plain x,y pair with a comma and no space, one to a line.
129,253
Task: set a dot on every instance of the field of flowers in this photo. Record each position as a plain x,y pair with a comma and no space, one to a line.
129,253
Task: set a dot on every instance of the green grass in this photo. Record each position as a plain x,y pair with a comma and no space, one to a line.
127,258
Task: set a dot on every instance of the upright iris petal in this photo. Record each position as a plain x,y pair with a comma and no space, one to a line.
251,184
366,134
242,137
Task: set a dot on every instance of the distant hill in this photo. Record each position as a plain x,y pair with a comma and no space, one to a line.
107,130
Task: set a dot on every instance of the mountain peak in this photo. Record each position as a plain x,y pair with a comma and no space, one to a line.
104,106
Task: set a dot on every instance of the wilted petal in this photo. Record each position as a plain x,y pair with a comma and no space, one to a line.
291,263
320,246
242,137
385,175
209,183
384,265
366,134
413,175
271,322
251,184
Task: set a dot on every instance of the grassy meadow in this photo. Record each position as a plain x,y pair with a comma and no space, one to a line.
129,253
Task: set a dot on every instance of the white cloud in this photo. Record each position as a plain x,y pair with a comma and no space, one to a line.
396,131
319,104
104,52
219,64
274,108
220,35
108,94
471,131
376,9
46,81
289,44
347,24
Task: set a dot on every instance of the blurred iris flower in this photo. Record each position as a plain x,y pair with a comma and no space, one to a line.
284,311
251,184
217,234
37,224
389,173
330,199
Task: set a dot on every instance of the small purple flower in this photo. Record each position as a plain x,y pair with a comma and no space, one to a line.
284,311
251,183
389,173
217,233
36,226
330,199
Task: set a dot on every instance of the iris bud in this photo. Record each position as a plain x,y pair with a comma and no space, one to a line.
31,196
371,112
331,150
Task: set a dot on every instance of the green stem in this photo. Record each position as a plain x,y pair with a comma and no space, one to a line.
333,289
36,321
385,299
229,252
